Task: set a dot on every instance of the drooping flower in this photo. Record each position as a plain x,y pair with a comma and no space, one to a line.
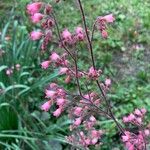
36,35
37,17
34,8
108,18
45,64
46,106
57,112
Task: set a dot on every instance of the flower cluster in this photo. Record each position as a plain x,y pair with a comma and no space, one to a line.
137,140
82,108
55,95
102,24
135,118
9,71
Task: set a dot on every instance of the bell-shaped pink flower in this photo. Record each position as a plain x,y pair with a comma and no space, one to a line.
77,121
36,35
50,94
45,64
46,106
66,35
9,71
63,70
37,17
34,8
54,57
104,34
57,112
109,18
60,102
108,82
78,111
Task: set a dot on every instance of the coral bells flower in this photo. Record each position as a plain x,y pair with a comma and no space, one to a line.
37,17
9,72
54,57
78,111
50,94
93,73
63,70
108,82
108,18
77,121
45,64
60,102
34,8
79,34
104,34
36,35
133,141
57,112
46,106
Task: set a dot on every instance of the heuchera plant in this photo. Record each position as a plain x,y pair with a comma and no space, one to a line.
86,105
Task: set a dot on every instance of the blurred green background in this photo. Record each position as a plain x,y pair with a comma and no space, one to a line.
124,57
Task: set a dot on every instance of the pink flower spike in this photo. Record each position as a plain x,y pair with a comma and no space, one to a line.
34,8
37,17
45,64
57,112
46,106
36,35
109,18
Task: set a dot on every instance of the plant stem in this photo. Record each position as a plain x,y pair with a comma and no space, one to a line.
94,66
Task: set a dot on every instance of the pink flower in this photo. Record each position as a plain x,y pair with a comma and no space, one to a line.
34,7
9,72
45,64
109,18
143,110
77,121
137,112
46,106
50,94
60,102
37,17
131,117
17,67
78,111
125,119
104,34
66,35
108,82
36,35
54,57
53,85
57,112
63,70
79,30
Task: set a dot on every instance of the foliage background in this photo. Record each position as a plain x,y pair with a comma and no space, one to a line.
124,57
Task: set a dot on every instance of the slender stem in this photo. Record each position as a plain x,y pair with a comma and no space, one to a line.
58,31
93,63
87,35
